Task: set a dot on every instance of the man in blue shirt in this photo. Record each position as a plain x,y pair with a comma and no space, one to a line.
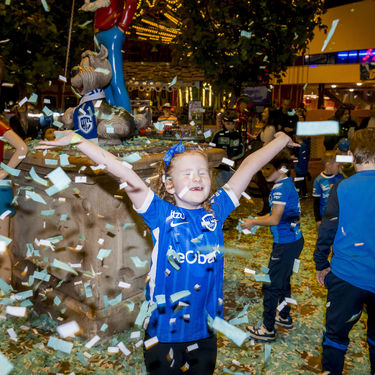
348,227
287,246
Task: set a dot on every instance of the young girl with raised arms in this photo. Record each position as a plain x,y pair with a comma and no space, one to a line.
184,288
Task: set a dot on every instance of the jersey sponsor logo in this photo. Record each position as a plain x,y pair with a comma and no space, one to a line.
173,224
192,257
176,215
209,222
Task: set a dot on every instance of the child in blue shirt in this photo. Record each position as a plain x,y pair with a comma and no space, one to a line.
287,246
323,184
184,289
348,226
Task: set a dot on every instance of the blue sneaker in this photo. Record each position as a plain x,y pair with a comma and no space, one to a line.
286,323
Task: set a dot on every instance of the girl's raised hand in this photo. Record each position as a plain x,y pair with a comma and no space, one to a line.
290,142
63,138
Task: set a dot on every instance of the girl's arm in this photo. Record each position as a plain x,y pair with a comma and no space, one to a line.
268,134
255,161
19,154
267,220
137,190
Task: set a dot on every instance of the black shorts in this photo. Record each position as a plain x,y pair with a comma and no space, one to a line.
199,361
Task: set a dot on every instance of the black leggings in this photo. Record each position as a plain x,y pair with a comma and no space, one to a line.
201,361
345,303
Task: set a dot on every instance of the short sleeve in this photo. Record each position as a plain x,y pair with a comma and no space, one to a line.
3,128
152,210
279,195
223,202
317,190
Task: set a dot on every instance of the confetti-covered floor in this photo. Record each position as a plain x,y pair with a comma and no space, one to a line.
295,352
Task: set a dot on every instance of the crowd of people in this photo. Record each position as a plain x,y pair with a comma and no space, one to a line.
182,206
29,123
333,212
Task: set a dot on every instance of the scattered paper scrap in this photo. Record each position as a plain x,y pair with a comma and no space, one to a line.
61,345
344,158
63,266
138,263
92,342
123,348
5,365
296,265
151,342
69,329
233,333
10,170
330,34
263,278
179,295
173,82
246,34
267,352
16,311
207,134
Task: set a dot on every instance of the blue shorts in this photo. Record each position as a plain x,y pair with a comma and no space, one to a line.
6,197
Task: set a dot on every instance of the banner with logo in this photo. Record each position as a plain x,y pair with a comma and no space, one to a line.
367,71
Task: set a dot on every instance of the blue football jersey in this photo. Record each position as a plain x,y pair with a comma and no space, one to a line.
288,230
187,266
322,187
85,120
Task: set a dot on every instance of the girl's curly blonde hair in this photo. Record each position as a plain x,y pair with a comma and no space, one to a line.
158,186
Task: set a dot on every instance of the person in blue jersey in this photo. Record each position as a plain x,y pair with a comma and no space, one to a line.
284,223
348,227
184,285
323,184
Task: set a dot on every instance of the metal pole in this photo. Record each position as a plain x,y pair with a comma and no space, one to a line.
67,55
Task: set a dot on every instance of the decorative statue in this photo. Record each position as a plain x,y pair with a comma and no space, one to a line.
112,20
94,117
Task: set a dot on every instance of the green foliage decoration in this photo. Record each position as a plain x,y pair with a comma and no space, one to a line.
34,42
211,38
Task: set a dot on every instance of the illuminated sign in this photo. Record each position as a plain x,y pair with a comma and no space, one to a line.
367,55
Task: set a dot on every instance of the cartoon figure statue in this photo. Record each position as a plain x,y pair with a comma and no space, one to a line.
94,117
6,193
112,19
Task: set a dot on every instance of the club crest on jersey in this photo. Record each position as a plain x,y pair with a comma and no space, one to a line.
85,123
209,222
